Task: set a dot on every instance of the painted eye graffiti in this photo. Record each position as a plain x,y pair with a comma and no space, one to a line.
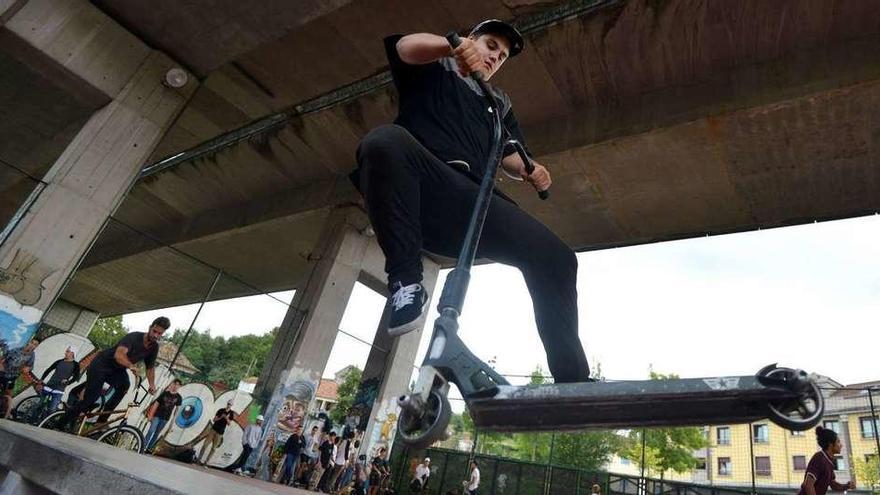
190,412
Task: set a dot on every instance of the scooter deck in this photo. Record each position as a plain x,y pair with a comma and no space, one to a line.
572,406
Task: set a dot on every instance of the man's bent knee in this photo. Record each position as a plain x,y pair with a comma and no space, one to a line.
379,142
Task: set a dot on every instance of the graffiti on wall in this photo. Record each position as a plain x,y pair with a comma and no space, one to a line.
286,410
21,287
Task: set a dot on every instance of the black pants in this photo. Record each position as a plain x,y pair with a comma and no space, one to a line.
242,459
99,374
415,201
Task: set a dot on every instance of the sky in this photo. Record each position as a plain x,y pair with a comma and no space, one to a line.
806,297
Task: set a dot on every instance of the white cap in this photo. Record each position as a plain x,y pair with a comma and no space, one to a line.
229,402
427,459
260,418
72,349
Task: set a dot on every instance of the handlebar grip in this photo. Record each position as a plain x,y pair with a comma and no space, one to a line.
530,167
454,41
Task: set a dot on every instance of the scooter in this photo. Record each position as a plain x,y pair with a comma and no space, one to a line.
790,398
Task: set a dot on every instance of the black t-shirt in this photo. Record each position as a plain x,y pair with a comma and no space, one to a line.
447,113
221,419
65,373
294,445
326,449
137,352
167,401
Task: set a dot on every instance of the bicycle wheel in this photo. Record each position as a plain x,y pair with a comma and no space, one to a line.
29,410
52,421
125,437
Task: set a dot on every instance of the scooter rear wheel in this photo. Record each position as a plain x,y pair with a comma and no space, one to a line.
421,431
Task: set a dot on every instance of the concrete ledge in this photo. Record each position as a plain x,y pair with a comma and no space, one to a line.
65,464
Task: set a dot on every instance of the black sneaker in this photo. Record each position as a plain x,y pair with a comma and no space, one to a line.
407,304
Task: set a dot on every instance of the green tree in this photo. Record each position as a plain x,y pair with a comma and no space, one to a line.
224,360
868,472
346,393
107,332
665,448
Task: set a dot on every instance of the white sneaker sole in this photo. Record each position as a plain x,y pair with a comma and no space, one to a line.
408,327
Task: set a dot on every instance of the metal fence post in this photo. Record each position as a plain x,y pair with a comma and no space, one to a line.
874,423
643,483
195,318
752,457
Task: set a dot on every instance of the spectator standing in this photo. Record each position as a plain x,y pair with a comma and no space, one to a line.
14,363
250,439
161,411
292,449
213,436
64,372
473,483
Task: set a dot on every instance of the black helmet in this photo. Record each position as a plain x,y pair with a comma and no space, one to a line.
495,26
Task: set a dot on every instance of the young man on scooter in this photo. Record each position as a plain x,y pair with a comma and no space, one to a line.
420,177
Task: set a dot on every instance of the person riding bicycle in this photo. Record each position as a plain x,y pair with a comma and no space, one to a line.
15,363
111,366
64,372
419,178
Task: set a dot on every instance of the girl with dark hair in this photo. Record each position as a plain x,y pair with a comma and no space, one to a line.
820,470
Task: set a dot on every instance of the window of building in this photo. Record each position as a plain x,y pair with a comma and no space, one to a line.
723,435
724,467
799,462
701,463
761,433
832,424
797,433
870,457
867,424
839,463
762,466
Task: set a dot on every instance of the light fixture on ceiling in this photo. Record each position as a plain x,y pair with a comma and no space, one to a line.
175,78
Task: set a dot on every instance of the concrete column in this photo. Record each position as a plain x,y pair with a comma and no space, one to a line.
93,174
390,368
309,329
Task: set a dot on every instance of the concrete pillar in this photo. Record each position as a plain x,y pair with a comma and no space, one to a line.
309,328
390,368
93,174
343,256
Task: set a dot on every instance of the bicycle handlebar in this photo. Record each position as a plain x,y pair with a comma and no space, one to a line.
454,41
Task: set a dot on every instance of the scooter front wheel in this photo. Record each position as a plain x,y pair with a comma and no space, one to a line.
420,431
803,412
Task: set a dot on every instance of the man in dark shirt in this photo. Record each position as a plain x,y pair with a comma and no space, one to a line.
13,363
420,177
213,436
292,449
112,366
325,458
64,372
161,411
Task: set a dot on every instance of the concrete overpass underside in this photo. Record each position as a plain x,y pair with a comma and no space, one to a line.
659,120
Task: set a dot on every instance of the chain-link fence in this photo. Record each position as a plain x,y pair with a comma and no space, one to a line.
759,457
